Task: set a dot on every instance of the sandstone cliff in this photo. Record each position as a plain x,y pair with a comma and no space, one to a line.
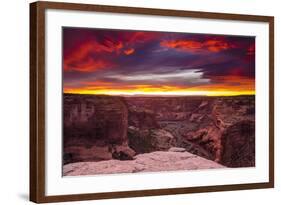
149,162
199,123
95,128
99,127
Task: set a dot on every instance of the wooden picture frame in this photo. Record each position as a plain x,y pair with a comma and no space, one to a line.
38,103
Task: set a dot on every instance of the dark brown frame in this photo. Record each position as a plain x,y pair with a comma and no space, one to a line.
37,101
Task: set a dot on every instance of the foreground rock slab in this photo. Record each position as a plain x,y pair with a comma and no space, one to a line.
148,162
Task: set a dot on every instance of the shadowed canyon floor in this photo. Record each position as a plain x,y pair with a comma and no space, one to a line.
113,134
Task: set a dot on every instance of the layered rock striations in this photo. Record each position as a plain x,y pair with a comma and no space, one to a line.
238,145
95,128
199,124
111,128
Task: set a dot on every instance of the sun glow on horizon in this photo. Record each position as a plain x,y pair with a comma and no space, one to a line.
162,93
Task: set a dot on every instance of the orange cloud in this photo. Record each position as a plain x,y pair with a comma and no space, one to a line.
216,45
182,44
213,45
129,51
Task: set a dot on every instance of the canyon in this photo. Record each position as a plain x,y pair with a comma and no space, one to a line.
193,132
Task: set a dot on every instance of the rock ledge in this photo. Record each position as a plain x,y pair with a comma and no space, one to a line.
148,162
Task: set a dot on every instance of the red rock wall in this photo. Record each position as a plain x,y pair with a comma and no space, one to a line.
93,127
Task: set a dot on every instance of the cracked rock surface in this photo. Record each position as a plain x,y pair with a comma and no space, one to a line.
148,162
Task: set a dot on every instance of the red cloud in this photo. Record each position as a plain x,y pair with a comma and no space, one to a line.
250,54
95,47
236,71
81,58
88,55
251,49
139,37
212,45
87,65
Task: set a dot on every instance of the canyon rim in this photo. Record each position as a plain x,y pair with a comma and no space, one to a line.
144,101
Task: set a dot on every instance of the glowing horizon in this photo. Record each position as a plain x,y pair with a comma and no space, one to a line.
120,62
180,93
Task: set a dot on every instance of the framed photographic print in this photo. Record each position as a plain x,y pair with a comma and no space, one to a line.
128,102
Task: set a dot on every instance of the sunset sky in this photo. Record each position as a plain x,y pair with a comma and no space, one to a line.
118,62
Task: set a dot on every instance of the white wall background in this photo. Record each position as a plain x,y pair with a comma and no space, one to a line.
14,113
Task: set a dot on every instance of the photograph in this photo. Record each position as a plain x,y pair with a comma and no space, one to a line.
138,101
